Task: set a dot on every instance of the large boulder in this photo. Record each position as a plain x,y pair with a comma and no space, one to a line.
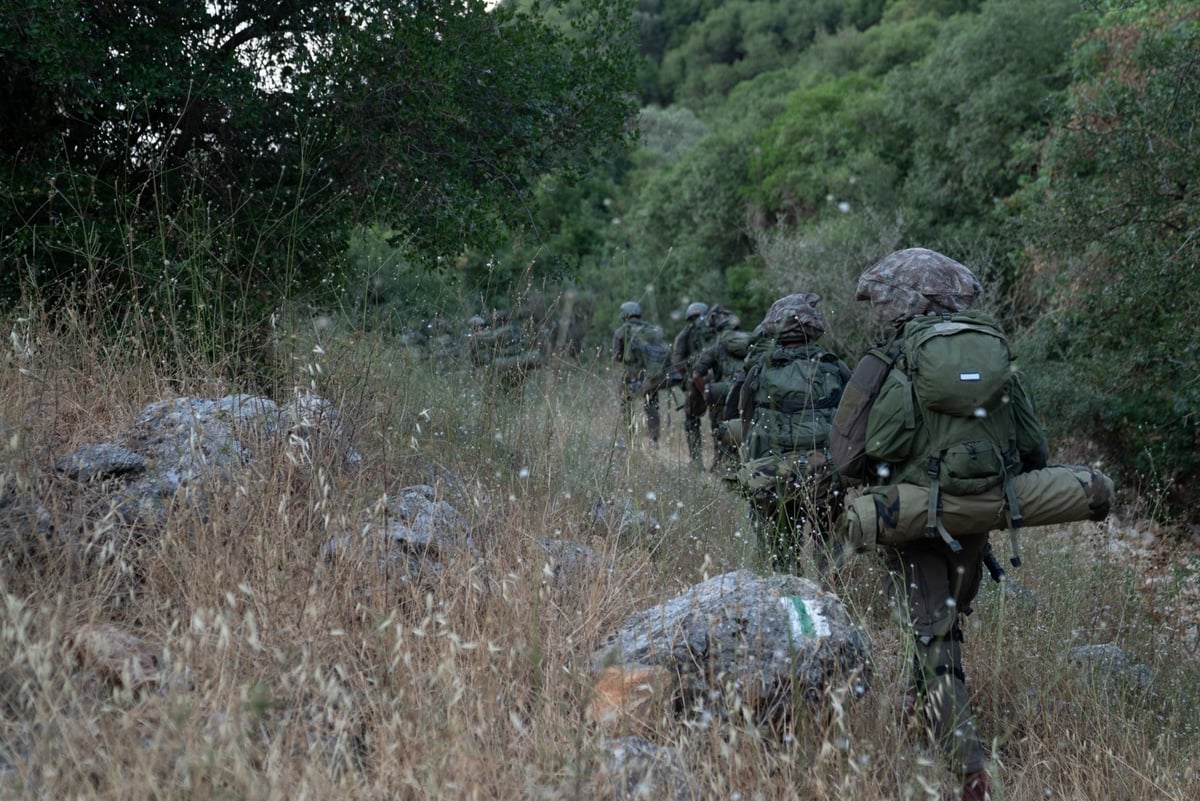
193,445
742,642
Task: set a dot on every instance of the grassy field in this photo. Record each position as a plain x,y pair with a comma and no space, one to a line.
276,675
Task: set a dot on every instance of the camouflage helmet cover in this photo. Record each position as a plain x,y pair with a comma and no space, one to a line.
696,309
794,317
720,318
916,281
630,308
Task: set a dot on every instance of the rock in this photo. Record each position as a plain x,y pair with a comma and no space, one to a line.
620,518
416,532
567,561
634,769
187,438
312,420
93,462
115,655
24,522
1111,667
629,698
194,445
744,641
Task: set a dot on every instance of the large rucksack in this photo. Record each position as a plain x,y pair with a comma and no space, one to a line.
796,391
955,373
646,352
787,403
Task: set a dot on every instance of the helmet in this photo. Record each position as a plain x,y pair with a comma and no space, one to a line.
477,322
794,318
696,309
916,281
630,308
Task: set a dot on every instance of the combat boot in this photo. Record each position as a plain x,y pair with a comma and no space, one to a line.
976,787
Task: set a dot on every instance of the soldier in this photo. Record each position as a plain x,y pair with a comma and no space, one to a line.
689,343
935,580
639,346
787,401
501,348
713,374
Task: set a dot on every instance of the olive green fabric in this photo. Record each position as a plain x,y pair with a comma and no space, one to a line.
645,351
793,395
953,397
721,362
960,364
930,588
897,514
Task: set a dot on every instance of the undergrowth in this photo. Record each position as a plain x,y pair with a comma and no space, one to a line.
283,675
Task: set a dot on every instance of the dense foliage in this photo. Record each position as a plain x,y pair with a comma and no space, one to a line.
1050,145
242,139
1113,224
231,150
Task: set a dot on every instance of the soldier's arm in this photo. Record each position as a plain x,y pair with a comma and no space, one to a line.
703,366
1031,437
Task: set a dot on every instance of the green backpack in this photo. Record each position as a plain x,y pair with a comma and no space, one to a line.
955,373
646,352
796,391
733,345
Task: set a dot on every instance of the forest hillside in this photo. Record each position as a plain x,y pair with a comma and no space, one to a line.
270,528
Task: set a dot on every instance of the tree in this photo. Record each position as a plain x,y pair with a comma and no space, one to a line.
1114,227
244,138
969,112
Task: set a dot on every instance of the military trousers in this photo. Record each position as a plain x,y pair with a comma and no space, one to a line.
633,388
932,587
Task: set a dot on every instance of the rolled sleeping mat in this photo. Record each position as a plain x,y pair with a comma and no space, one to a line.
729,433
899,514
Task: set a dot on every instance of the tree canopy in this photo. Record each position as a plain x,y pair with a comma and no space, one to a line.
140,134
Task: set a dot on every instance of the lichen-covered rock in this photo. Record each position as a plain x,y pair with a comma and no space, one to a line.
620,518
743,642
1108,665
634,769
97,462
416,532
568,561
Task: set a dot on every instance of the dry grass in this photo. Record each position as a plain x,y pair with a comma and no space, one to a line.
258,671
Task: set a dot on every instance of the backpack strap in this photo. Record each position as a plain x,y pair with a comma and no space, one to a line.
1015,519
746,403
933,525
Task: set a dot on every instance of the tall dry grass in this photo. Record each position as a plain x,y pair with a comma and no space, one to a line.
277,675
